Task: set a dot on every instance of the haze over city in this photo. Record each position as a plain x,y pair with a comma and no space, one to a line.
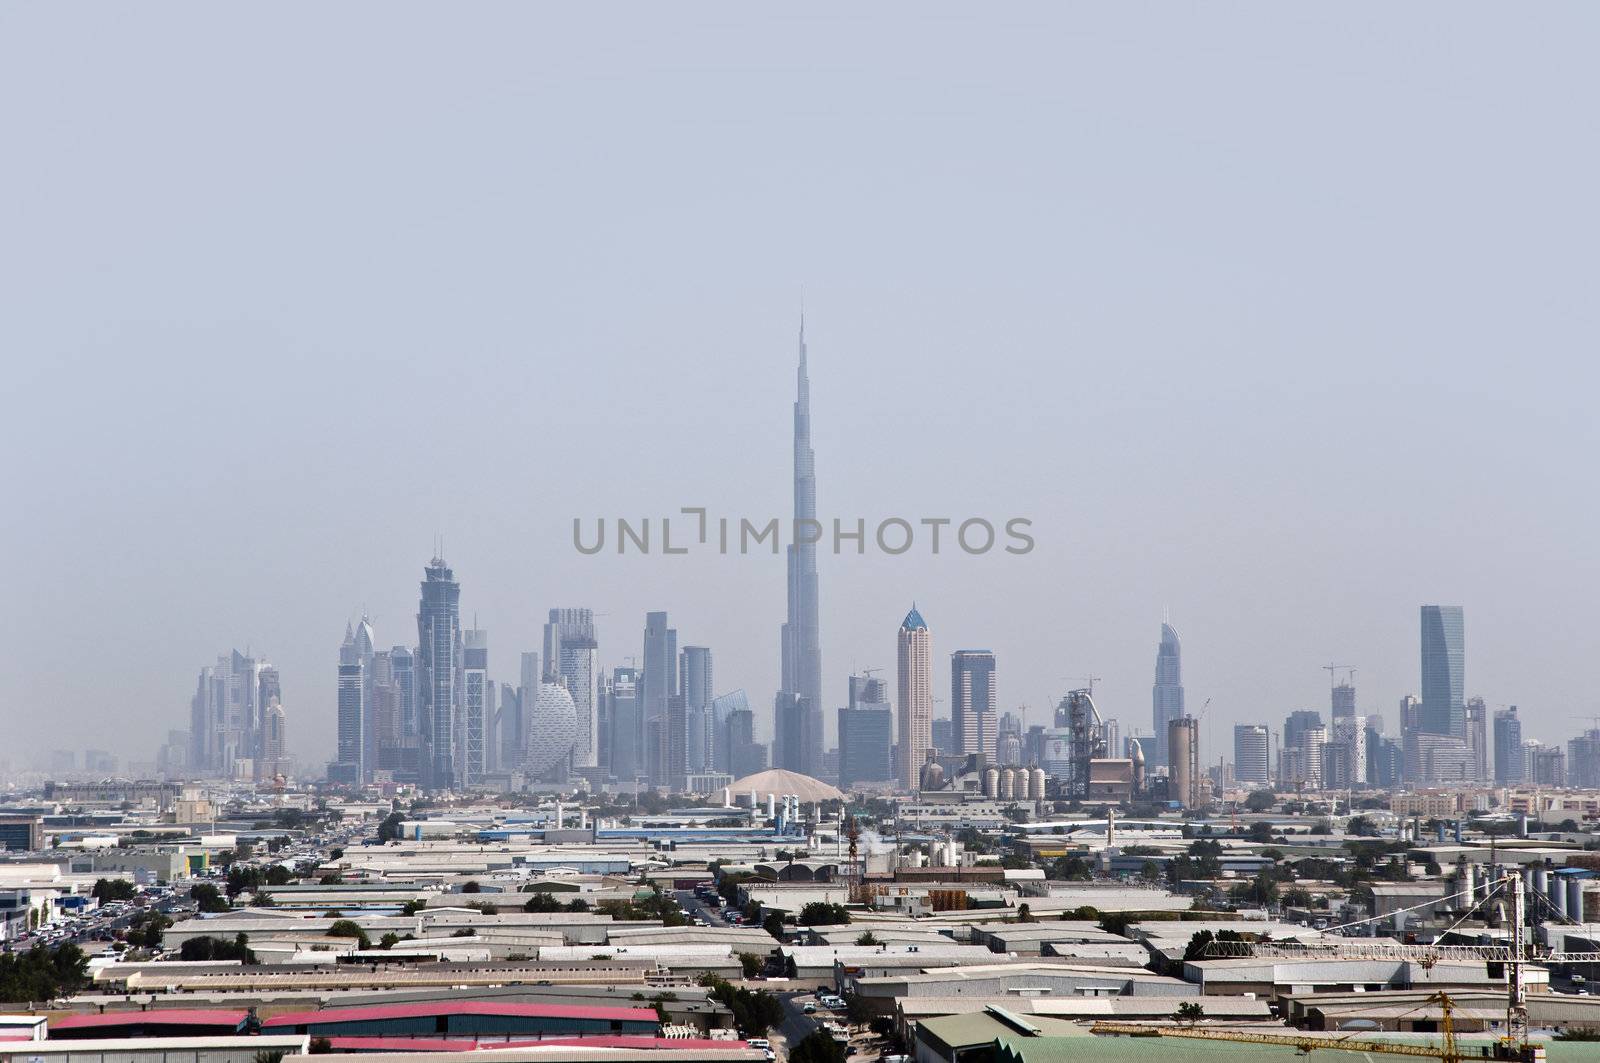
1268,320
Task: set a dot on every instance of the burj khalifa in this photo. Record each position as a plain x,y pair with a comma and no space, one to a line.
797,724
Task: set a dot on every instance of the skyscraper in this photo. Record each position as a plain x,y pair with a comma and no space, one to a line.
477,707
915,673
799,742
1508,759
1251,754
572,656
624,710
1478,736
866,734
1444,708
348,766
700,731
1166,696
659,683
438,667
972,703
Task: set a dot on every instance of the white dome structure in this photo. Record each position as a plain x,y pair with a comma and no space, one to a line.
552,729
781,782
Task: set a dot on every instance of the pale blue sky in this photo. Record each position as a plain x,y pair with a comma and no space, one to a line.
1281,316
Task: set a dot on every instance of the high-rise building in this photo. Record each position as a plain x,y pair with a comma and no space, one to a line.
746,756
973,725
348,767
1300,759
438,670
1344,700
1583,760
1444,708
941,733
694,669
225,715
274,754
1477,735
1508,760
1008,743
1166,696
1252,754
624,708
723,706
477,707
1546,765
915,722
866,733
798,743
660,682
572,657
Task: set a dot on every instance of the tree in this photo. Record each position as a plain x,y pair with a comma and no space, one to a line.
817,1047
819,913
345,928
868,938
471,887
413,907
206,947
1025,914
541,902
1361,827
750,964
1260,801
113,889
1071,868
1261,832
389,940
209,898
1189,1011
389,829
754,1010
773,924
274,1056
1150,871
40,975
320,1046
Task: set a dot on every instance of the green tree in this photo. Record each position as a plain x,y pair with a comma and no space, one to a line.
389,829
1189,1011
389,940
113,889
818,1047
1261,801
868,938
209,898
1025,914
206,947
413,907
40,974
345,928
819,913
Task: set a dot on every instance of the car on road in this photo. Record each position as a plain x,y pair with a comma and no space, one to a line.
809,1008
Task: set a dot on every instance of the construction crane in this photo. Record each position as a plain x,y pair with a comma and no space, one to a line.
1447,1052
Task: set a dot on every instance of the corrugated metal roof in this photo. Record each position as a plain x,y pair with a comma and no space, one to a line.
158,1017
381,1012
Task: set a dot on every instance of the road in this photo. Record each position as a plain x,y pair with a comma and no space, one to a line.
693,906
797,1025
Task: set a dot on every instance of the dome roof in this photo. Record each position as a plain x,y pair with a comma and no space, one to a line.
780,782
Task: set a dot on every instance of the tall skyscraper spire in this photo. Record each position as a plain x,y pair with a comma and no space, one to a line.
797,730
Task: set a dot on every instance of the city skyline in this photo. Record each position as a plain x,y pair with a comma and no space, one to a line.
1202,392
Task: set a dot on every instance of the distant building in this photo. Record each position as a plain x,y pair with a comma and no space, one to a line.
478,708
942,733
797,715
1508,761
866,734
1583,760
700,729
973,708
915,674
1444,708
624,709
1477,736
1252,754
1166,696
572,655
438,674
660,682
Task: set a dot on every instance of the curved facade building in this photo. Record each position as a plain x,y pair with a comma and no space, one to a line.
552,730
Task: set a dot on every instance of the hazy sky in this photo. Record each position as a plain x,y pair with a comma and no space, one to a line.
1280,317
